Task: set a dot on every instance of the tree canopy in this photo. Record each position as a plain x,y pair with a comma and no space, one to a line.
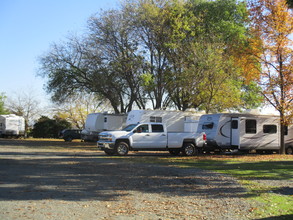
3,110
159,54
272,28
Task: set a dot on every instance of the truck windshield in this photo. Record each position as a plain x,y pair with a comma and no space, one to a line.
129,127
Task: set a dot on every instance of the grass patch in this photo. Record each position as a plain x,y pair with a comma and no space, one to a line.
256,173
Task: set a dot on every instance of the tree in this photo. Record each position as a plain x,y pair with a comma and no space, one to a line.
3,110
49,128
76,108
272,28
202,50
25,104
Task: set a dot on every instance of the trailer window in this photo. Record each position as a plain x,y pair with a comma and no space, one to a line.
234,124
270,129
105,119
207,125
250,126
156,119
286,130
157,128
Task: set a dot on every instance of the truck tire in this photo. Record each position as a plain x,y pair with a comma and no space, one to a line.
121,148
68,139
189,149
174,152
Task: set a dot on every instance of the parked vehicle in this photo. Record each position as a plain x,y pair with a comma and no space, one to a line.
174,120
244,132
12,126
98,122
150,137
70,134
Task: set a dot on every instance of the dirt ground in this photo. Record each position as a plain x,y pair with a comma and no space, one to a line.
50,183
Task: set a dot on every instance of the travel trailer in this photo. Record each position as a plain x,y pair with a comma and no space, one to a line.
244,132
174,120
12,126
98,122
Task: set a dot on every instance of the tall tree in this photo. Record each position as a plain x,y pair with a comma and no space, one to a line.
76,108
3,110
202,49
149,20
272,28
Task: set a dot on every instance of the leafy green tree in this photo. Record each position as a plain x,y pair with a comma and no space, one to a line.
3,110
49,128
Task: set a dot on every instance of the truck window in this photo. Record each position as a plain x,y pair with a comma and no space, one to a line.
143,129
156,119
250,126
207,125
157,128
270,129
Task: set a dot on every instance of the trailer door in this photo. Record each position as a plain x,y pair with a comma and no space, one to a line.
235,134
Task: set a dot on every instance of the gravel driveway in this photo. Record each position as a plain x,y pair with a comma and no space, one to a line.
54,184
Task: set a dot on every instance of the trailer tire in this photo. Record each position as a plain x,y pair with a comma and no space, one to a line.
189,149
121,148
289,150
174,152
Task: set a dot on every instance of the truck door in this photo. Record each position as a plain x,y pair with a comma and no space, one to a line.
235,134
158,136
141,137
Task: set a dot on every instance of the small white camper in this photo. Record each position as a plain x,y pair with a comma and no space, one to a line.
176,121
244,132
12,126
98,122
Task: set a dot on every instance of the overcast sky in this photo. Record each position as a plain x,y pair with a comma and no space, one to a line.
29,27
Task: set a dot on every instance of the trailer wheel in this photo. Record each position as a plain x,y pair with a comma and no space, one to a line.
289,150
121,148
189,149
174,152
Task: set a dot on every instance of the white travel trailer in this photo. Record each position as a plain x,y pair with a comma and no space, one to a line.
244,132
174,120
98,122
12,126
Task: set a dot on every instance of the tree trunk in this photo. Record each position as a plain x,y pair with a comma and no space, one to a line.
282,134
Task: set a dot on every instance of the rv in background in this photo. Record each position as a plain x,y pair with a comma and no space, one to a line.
98,122
244,132
175,121
12,126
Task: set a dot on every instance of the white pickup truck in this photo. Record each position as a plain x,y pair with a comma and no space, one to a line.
150,137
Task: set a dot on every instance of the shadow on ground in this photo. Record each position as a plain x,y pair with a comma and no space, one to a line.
35,175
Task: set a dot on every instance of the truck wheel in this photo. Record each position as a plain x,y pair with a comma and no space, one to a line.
174,152
109,152
289,150
121,148
189,149
68,139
